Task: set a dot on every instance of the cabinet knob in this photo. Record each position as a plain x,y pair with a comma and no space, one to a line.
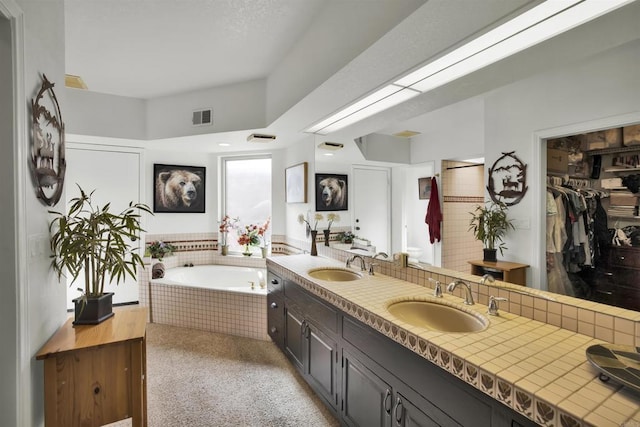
273,330
621,258
274,305
274,281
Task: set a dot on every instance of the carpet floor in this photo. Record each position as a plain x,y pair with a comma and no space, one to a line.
201,379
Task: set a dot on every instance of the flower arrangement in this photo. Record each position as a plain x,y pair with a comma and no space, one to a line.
317,217
248,236
226,224
332,217
346,237
160,249
262,230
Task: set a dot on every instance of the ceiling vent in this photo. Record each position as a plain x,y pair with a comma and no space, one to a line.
202,117
331,145
260,137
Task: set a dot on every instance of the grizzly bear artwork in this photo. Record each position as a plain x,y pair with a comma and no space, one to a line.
331,192
178,188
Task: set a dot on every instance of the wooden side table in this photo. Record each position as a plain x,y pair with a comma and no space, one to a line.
96,374
511,272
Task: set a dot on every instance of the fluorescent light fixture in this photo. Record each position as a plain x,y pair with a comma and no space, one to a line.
366,109
507,45
534,26
224,144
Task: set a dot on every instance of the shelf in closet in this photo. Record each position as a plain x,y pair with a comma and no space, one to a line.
617,169
614,150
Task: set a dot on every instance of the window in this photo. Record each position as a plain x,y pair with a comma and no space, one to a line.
246,193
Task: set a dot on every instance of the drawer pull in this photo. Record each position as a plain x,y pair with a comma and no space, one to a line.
274,305
274,281
273,330
621,258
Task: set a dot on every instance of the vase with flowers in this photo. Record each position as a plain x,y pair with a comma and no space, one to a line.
312,230
332,217
262,235
248,236
226,224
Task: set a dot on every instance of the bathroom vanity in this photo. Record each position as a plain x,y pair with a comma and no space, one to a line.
366,378
374,368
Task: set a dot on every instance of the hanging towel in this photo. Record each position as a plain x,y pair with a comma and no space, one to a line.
434,214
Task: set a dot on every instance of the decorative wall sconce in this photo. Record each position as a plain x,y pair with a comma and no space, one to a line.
48,164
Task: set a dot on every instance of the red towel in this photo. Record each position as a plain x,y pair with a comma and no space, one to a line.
434,214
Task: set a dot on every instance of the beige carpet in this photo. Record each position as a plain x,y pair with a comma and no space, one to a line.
201,379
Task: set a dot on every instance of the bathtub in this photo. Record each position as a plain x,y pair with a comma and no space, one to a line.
215,298
220,277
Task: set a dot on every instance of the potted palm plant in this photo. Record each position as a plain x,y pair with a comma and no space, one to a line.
489,224
92,241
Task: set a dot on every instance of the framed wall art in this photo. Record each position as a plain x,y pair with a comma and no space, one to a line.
178,188
424,188
295,183
331,192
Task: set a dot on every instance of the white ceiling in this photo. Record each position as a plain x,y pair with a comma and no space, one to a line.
153,48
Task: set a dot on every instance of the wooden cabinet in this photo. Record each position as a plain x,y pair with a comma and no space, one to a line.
616,283
511,272
96,374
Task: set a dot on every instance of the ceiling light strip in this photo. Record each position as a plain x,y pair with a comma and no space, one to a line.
551,27
396,98
498,34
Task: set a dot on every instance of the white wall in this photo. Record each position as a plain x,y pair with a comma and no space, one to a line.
93,113
304,151
8,309
43,309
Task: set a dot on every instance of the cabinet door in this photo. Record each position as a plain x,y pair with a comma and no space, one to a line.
366,399
294,339
275,319
321,363
406,414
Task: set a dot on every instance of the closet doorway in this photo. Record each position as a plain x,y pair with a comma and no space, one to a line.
592,222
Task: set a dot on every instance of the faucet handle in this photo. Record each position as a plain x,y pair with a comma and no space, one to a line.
493,305
371,265
437,290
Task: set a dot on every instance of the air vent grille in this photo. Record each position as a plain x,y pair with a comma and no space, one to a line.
202,117
260,137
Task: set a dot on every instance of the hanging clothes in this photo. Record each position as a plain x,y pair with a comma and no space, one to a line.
433,219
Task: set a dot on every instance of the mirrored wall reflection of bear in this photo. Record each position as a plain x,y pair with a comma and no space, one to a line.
332,194
178,190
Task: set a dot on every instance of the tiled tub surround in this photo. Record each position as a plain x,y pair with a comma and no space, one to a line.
241,312
539,369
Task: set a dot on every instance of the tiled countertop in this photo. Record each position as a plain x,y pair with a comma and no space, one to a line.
537,369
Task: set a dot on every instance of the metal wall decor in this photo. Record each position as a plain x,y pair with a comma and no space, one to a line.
48,165
507,180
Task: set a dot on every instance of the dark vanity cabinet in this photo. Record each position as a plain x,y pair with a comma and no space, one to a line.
367,379
616,282
310,340
275,309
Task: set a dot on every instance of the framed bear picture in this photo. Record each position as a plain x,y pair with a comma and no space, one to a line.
331,192
178,188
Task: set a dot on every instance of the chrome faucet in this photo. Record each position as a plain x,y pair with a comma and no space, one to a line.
373,264
382,254
487,278
468,299
363,267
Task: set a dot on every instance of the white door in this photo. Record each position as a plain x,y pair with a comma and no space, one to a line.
372,205
115,177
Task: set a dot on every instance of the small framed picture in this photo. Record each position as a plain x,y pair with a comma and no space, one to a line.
331,192
178,188
424,188
295,183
